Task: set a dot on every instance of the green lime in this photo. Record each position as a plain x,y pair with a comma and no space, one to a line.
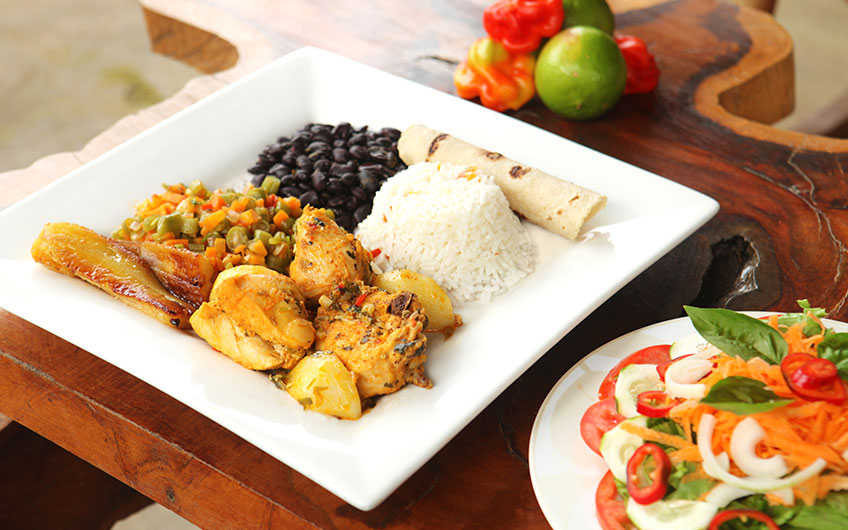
595,13
580,73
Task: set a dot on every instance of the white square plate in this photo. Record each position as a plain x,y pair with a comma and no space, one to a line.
215,140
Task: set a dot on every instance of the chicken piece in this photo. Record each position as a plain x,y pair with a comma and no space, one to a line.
223,334
259,303
186,274
101,261
325,255
377,335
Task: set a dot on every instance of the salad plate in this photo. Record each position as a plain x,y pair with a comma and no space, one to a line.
565,473
215,140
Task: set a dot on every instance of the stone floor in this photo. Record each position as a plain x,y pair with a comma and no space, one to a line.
72,69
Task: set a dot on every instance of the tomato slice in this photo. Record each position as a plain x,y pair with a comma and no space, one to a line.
728,515
651,355
597,420
612,514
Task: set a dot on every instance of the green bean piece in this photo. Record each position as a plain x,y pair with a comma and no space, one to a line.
284,207
271,184
237,236
263,236
150,224
277,263
190,226
263,213
229,197
196,247
257,193
262,224
276,239
288,225
197,189
211,237
119,233
171,223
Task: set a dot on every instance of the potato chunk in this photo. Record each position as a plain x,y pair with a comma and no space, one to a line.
320,382
437,305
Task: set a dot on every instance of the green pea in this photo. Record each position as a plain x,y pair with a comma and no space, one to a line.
190,226
271,184
172,223
237,236
257,193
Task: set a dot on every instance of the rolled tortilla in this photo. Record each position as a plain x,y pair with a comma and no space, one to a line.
552,203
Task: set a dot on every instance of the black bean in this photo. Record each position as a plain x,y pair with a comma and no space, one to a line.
337,170
256,180
336,187
349,180
345,221
277,149
323,165
310,197
357,139
378,153
340,155
358,193
391,133
289,191
319,180
304,163
336,201
383,141
361,213
283,139
300,141
342,131
288,180
359,152
339,143
278,169
258,168
317,145
289,158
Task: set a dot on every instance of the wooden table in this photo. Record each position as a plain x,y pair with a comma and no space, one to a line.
780,235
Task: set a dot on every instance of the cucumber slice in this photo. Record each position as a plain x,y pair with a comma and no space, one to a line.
632,381
678,514
617,446
692,344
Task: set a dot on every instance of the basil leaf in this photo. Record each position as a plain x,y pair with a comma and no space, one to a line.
811,327
742,395
834,348
737,334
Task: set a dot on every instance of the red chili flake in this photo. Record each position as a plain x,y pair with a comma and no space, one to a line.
376,252
359,300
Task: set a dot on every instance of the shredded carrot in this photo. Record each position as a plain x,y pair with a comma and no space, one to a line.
650,435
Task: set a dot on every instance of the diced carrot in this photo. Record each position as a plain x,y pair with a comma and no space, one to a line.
239,205
260,203
220,246
280,217
248,218
212,221
258,248
175,242
254,259
172,197
177,188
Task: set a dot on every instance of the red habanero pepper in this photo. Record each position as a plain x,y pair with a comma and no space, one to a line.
810,378
729,515
520,24
642,72
657,471
654,404
501,80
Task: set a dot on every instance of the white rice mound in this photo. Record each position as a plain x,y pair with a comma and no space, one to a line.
432,219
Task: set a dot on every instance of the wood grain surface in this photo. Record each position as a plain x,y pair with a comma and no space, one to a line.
780,236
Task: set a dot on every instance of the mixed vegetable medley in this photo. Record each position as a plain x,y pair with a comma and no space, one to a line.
742,425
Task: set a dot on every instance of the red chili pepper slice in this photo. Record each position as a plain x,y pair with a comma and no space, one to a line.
359,299
728,515
376,252
654,404
807,386
657,471
642,72
815,373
